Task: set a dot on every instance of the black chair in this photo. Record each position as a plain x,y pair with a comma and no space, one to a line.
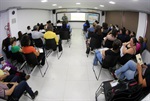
33,61
58,30
65,35
107,63
19,58
38,42
108,43
50,44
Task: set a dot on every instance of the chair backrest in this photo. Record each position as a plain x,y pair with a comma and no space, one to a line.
31,59
110,61
57,30
108,43
18,56
38,42
50,44
95,43
64,34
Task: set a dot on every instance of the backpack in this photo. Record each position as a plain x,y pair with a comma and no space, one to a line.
125,90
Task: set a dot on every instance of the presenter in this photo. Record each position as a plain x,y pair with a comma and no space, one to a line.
65,18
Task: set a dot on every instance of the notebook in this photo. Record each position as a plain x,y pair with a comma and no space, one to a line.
40,50
139,59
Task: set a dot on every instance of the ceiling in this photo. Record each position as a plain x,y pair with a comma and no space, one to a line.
125,5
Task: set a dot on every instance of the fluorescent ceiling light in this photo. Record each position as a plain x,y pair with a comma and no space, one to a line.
95,8
54,4
43,0
112,2
78,3
60,7
101,5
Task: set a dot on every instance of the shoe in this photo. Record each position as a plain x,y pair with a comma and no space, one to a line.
35,94
27,77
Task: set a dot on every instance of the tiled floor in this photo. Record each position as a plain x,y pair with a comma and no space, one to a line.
70,78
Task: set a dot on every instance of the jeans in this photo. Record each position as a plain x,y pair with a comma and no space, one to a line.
20,88
128,70
98,57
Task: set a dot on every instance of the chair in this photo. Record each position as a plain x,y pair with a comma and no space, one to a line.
34,62
57,30
19,58
38,42
108,43
107,63
50,44
65,35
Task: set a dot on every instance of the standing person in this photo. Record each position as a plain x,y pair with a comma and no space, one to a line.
65,18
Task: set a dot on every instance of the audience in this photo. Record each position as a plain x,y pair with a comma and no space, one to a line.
86,25
28,30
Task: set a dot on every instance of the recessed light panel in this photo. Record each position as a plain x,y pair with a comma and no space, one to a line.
78,3
54,4
101,5
112,2
43,0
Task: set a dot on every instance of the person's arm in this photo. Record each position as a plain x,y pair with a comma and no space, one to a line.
10,91
129,51
140,78
2,77
56,39
103,53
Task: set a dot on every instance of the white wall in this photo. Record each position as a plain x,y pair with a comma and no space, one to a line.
13,21
3,22
142,25
77,24
31,18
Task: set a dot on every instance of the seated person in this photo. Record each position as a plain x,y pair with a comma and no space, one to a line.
8,72
108,40
129,47
14,47
66,26
139,45
95,40
91,30
27,49
128,71
86,25
128,50
115,51
50,35
4,63
15,90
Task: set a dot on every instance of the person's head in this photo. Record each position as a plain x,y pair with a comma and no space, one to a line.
116,44
49,27
132,34
87,22
133,41
114,32
13,41
140,40
94,24
98,30
127,32
25,41
28,27
58,21
20,34
35,28
64,14
105,25
48,22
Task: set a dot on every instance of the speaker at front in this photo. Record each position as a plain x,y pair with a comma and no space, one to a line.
103,13
54,11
